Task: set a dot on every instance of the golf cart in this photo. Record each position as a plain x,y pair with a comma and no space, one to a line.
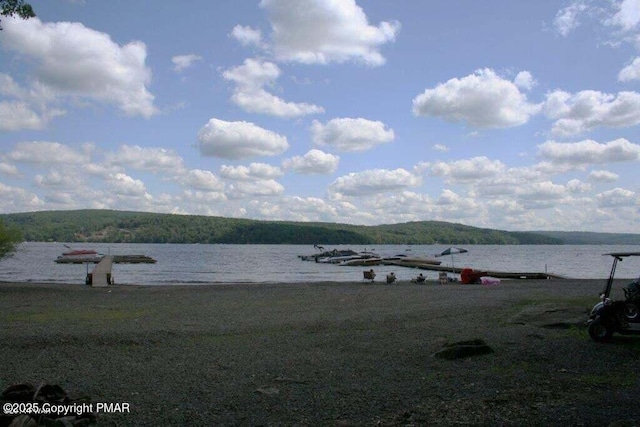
610,316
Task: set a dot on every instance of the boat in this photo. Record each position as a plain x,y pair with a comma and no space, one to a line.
399,260
79,256
80,252
323,256
350,259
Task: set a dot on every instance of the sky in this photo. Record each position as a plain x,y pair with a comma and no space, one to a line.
515,115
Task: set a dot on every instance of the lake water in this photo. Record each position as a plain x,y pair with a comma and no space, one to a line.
193,264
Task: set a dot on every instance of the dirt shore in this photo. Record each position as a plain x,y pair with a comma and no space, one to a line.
323,354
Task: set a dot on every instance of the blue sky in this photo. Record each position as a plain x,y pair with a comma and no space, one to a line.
501,114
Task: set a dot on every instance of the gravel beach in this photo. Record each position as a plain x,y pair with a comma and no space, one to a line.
323,354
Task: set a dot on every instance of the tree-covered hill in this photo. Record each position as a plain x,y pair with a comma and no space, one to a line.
140,227
591,238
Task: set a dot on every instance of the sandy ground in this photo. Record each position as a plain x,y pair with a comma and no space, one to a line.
323,354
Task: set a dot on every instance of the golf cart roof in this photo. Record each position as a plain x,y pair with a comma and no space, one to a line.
623,254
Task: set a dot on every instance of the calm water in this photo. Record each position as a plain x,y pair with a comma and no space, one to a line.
198,264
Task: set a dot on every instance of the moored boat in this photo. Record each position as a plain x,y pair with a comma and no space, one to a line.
352,259
80,252
324,256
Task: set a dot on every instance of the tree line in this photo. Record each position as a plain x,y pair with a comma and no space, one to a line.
140,227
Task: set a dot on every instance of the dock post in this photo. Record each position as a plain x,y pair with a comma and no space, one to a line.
101,275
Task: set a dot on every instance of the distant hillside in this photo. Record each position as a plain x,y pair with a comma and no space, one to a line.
138,227
590,238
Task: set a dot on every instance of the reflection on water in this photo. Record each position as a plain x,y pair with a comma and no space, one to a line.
197,264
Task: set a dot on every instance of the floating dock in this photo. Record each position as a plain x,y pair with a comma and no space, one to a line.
95,259
491,273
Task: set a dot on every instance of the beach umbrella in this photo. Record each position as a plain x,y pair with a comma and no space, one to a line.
450,251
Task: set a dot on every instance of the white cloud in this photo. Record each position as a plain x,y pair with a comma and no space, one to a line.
60,199
351,134
262,102
618,197
630,72
507,183
9,87
43,152
603,176
577,186
152,159
202,180
7,169
398,206
313,162
588,109
440,147
253,73
524,80
566,19
628,15
262,188
506,206
540,195
468,169
578,154
27,109
450,206
482,99
182,62
18,115
19,200
308,209
325,31
250,95
55,179
371,182
295,209
448,197
254,172
122,184
239,140
202,200
247,36
622,14
73,60
101,169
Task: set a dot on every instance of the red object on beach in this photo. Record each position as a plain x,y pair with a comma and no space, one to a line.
470,276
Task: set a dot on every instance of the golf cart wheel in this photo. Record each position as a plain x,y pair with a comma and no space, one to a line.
631,311
599,332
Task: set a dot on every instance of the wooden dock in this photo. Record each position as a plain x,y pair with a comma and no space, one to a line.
95,259
101,275
491,273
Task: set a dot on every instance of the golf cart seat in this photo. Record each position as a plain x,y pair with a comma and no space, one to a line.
632,290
